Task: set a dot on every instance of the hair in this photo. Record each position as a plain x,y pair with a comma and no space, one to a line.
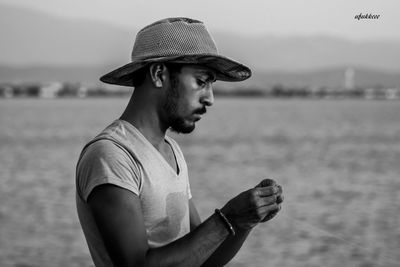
139,76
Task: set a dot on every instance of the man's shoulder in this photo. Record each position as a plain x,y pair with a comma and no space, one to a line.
110,139
103,151
102,146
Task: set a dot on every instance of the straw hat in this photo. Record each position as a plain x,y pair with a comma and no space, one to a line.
178,40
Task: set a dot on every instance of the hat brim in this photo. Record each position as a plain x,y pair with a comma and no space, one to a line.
226,69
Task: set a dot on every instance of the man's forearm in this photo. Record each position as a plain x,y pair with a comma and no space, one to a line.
228,249
194,248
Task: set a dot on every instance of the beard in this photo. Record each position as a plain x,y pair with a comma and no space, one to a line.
170,108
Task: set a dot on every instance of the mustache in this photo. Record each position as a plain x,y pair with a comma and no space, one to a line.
200,111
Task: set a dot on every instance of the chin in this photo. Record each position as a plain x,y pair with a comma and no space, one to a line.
184,128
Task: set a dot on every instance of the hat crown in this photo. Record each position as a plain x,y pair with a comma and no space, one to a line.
173,37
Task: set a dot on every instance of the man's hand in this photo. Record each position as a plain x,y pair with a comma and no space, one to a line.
255,205
279,199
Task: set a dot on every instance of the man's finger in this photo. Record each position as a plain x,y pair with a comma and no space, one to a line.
280,188
266,182
260,213
266,191
267,201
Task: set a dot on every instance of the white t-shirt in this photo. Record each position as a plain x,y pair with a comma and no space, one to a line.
122,156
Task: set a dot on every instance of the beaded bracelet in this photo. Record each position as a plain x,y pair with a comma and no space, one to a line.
226,221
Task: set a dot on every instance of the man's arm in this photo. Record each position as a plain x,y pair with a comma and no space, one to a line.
118,216
230,246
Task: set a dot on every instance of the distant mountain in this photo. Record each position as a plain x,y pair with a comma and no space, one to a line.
36,46
31,37
51,74
301,53
332,77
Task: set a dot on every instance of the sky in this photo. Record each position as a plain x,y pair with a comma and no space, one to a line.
251,17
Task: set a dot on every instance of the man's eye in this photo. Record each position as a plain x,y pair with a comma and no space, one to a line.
201,82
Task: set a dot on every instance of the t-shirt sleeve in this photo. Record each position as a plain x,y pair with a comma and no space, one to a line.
105,162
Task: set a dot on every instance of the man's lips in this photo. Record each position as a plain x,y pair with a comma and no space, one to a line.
196,117
201,111
197,114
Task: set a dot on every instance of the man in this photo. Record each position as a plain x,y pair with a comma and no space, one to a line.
133,196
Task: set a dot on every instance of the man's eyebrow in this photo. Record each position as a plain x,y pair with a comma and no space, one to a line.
210,74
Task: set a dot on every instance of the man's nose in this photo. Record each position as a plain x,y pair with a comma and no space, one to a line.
208,97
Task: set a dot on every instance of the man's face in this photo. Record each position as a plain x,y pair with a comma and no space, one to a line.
187,96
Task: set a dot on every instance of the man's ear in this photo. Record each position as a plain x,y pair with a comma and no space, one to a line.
158,72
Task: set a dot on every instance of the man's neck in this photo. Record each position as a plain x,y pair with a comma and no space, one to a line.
146,119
